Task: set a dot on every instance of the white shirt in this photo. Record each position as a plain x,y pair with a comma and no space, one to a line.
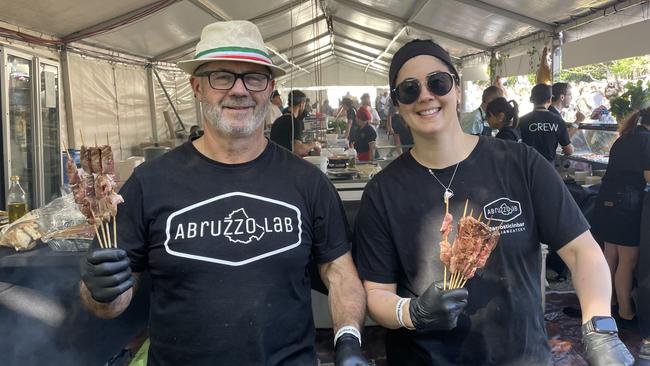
472,122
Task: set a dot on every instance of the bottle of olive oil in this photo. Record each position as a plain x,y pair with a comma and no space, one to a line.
17,200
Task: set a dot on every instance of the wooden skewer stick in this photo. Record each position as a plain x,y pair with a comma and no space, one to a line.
105,235
108,234
114,231
463,284
66,150
444,278
453,281
446,206
99,237
479,216
456,280
95,140
108,141
465,210
82,137
471,212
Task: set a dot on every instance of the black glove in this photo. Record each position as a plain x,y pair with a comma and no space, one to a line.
436,309
606,349
107,274
348,351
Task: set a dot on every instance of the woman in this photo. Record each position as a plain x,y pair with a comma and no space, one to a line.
617,217
497,318
503,115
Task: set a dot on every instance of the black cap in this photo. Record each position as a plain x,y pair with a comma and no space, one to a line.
416,48
275,94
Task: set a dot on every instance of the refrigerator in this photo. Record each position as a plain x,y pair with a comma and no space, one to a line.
31,126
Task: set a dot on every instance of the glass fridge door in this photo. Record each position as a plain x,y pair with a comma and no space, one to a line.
50,129
21,123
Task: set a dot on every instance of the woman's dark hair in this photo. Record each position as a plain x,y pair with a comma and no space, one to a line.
628,125
509,108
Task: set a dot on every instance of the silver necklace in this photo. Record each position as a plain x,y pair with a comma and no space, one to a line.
448,192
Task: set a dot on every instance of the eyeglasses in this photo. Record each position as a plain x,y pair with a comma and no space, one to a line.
438,83
225,80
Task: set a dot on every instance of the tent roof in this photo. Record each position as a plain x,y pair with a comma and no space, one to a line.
298,32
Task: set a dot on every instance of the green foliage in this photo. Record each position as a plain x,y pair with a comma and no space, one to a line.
339,125
633,99
627,68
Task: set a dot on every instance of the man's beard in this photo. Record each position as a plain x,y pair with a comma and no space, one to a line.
214,116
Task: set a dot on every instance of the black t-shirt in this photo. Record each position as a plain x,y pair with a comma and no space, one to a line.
543,130
509,133
400,127
227,247
363,138
396,241
351,115
629,157
281,131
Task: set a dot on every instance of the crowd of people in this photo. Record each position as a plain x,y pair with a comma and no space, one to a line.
229,237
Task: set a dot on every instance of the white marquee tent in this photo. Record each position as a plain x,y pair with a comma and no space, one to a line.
115,55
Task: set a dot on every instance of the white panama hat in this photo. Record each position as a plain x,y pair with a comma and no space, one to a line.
235,40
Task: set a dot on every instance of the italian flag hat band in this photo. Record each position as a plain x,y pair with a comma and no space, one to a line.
235,53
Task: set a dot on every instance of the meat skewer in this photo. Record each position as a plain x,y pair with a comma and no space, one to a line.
473,244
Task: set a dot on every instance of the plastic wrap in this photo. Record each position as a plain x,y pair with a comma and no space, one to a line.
60,224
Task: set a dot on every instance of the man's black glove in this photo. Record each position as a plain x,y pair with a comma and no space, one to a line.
606,349
107,274
436,309
348,351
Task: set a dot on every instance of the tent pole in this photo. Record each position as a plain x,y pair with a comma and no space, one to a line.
152,103
67,97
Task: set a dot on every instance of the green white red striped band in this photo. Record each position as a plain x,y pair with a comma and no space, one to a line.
235,53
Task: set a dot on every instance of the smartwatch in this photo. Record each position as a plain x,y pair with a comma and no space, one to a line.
600,324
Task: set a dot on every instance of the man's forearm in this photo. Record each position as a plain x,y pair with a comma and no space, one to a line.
347,298
108,310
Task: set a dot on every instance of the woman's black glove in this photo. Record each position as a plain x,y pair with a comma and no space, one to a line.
348,351
606,349
436,309
106,274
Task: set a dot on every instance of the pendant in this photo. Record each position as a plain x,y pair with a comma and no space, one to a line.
447,195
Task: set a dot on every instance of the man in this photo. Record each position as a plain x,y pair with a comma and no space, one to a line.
364,139
275,110
543,129
288,128
227,234
475,122
562,99
401,133
347,109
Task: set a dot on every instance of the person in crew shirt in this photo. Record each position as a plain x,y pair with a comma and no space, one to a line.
561,99
364,139
542,129
282,132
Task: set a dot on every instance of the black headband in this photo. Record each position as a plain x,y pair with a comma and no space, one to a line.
416,48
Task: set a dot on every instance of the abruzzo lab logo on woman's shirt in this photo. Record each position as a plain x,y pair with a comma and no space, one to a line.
504,210
233,229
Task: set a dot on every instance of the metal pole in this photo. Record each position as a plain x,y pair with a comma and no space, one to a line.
152,103
169,99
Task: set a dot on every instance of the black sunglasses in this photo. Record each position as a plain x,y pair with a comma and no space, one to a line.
438,83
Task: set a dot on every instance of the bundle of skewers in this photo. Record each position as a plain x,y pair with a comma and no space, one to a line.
473,244
93,186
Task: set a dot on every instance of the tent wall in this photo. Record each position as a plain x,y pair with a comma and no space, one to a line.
109,100
339,74
178,87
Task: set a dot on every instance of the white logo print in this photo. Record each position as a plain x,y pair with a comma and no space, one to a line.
503,209
233,229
